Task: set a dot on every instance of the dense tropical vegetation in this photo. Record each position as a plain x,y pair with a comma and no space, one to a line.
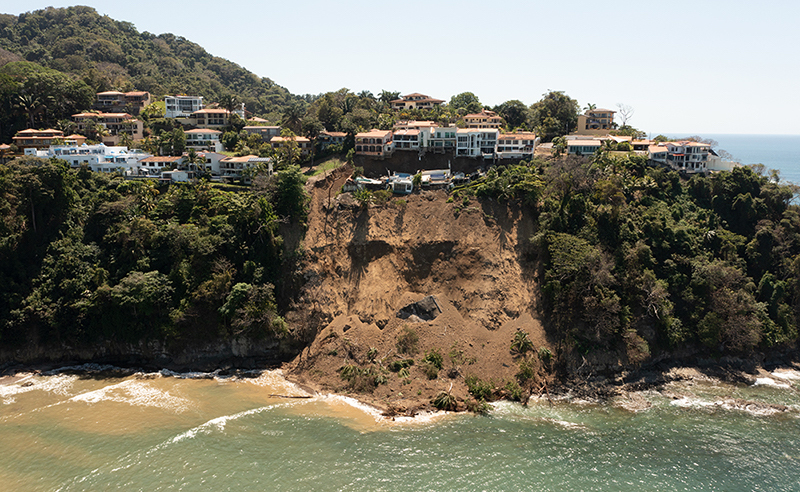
85,257
641,258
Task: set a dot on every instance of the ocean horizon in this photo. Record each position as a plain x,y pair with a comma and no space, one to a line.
781,152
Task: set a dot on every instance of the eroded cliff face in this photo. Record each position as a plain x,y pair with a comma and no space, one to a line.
361,262
362,265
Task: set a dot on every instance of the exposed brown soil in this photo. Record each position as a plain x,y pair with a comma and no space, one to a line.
363,265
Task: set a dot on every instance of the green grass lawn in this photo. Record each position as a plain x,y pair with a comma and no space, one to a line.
324,166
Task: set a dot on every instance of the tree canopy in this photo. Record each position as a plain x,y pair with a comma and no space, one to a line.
554,115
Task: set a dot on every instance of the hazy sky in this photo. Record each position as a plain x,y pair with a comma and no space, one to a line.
686,67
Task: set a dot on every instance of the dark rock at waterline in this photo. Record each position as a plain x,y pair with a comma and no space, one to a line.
426,309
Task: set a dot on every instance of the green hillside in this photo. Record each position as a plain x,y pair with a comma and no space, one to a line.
106,54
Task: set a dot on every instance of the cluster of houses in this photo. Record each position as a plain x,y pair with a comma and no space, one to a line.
685,156
135,163
481,137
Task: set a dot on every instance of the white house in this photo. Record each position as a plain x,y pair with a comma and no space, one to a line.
516,145
235,167
182,106
153,166
204,139
99,158
688,156
477,142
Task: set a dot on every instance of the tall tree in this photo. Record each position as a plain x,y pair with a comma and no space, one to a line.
466,101
514,112
554,115
293,116
30,105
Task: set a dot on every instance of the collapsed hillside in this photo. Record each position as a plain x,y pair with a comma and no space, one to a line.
365,264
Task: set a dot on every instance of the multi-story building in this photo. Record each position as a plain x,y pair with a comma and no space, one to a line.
442,139
327,138
476,142
484,119
691,157
415,101
99,158
516,145
115,124
423,130
37,139
375,143
595,122
122,102
407,139
208,118
210,163
182,106
303,143
204,139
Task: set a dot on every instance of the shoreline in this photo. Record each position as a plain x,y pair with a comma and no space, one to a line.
598,389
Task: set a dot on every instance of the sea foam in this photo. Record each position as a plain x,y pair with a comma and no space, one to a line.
135,393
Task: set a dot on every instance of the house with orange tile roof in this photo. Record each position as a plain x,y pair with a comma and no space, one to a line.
213,118
303,143
415,101
37,139
122,102
484,119
375,143
116,125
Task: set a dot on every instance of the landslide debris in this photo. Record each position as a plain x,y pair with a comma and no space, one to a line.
454,280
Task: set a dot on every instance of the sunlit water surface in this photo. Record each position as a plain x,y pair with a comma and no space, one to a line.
172,432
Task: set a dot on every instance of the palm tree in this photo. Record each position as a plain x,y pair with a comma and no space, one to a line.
293,117
29,104
229,102
199,162
590,107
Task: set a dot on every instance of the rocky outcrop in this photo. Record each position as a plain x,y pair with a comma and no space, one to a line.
426,309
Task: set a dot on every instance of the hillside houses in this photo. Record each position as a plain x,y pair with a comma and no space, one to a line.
415,101
122,102
428,136
484,119
109,127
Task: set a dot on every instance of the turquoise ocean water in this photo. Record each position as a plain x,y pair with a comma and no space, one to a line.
154,432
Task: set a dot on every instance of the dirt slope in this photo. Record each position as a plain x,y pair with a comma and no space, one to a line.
363,265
